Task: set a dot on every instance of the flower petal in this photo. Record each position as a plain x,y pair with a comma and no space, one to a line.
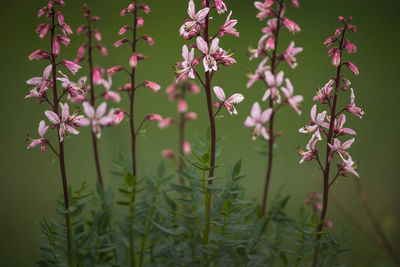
219,92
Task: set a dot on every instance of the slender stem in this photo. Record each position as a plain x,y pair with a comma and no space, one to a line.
140,126
271,122
182,120
377,227
61,144
92,102
328,152
133,141
208,78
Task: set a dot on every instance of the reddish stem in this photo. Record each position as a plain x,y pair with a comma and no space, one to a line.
274,66
61,157
133,141
92,102
328,152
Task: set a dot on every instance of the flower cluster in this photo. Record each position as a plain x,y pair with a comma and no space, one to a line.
267,68
178,92
211,54
332,126
63,121
94,118
262,119
314,200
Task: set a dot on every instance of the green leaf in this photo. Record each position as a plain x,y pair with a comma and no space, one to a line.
129,179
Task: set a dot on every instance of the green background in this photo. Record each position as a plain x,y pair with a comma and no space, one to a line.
30,179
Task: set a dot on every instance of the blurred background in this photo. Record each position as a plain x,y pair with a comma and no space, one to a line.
30,179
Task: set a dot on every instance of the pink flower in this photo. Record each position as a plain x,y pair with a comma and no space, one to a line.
258,75
257,119
74,89
352,108
97,35
108,94
65,41
66,29
127,10
140,22
167,154
341,150
220,5
98,75
182,106
145,8
264,8
338,126
152,85
81,51
124,29
186,147
350,47
133,61
353,68
270,44
191,27
121,42
348,168
273,82
42,30
311,151
187,64
290,53
42,141
40,84
71,66
315,123
95,118
228,27
148,39
116,116
60,17
113,70
164,123
324,93
38,54
66,122
223,57
330,40
209,61
336,58
294,101
295,3
191,116
290,25
229,103
102,49
56,47
80,29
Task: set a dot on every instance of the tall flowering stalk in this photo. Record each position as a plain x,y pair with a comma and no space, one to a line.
330,123
178,92
213,57
261,121
59,115
130,88
95,117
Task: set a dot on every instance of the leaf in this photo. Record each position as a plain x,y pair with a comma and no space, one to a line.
283,258
181,188
129,179
170,202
